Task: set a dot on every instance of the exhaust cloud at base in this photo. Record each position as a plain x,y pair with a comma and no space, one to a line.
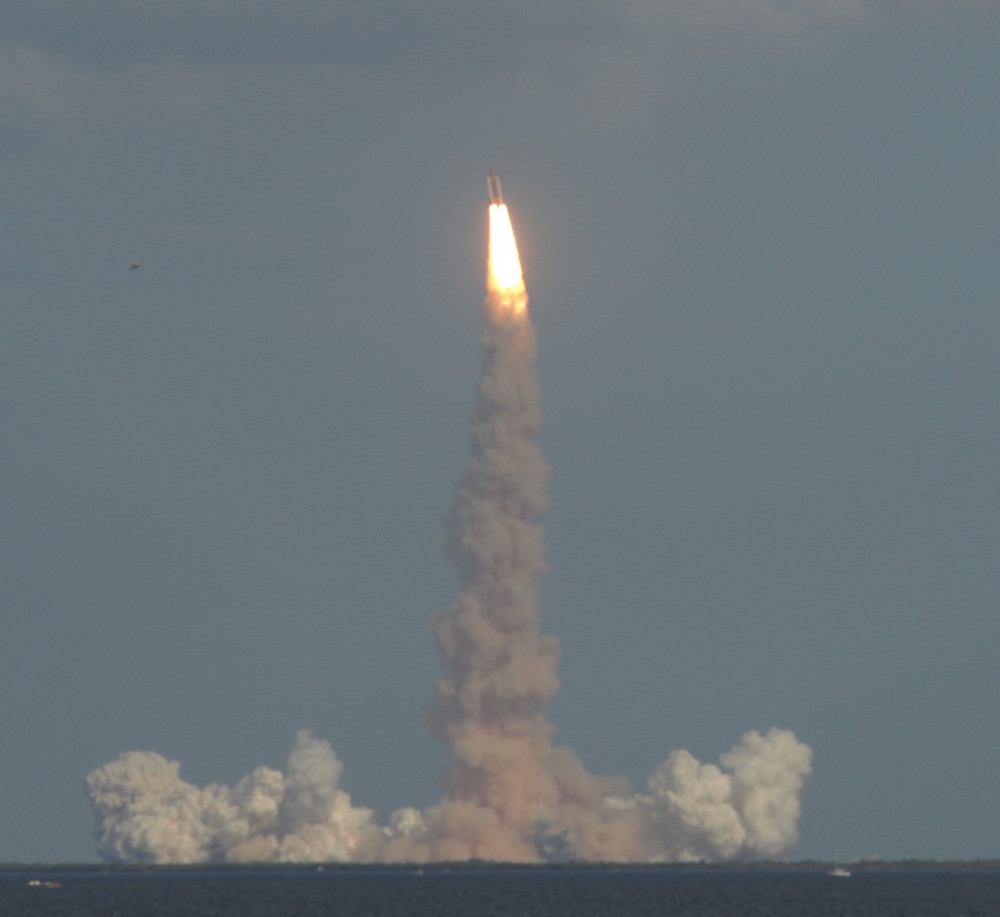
509,793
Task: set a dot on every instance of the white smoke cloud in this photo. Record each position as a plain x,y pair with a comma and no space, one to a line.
148,814
746,807
509,794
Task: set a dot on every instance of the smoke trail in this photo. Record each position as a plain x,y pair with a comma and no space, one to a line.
500,671
510,795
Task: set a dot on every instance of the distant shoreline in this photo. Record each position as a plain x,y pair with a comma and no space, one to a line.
857,867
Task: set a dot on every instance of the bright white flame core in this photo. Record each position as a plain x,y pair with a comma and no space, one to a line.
503,265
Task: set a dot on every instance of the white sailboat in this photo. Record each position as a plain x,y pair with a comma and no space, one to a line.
838,871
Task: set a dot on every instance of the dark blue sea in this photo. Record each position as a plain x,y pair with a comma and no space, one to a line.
504,892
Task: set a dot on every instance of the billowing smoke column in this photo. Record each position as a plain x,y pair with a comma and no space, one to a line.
510,795
500,672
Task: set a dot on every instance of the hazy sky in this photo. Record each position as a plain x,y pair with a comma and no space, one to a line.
760,237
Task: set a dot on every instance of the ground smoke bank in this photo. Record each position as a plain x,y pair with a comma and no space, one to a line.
510,795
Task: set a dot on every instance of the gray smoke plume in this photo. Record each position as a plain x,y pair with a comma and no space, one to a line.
510,794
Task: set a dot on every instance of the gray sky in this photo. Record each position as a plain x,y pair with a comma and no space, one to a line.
760,238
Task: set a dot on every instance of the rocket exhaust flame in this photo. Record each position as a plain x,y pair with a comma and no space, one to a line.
510,795
503,264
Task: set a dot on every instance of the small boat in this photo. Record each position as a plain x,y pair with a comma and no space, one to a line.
839,872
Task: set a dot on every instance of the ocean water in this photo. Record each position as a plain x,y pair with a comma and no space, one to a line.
510,892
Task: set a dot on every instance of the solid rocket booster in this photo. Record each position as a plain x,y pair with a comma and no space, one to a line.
494,184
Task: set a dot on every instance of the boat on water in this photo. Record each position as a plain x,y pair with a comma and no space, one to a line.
839,872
